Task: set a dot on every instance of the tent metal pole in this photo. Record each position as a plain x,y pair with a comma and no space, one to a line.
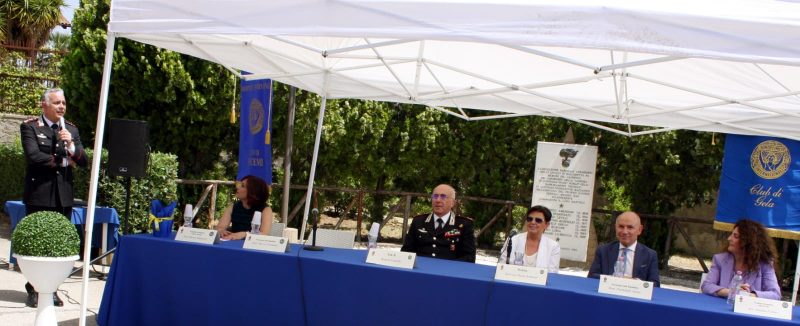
559,114
287,162
719,97
796,275
314,157
95,173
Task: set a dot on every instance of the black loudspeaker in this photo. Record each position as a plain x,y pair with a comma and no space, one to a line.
128,149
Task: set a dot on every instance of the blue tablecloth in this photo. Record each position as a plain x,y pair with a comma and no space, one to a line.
158,281
341,289
16,211
571,300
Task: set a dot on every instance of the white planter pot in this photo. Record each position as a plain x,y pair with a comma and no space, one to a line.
46,274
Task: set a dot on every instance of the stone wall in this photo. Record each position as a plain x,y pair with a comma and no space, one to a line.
9,127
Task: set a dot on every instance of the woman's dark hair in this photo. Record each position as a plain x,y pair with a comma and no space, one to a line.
257,191
541,209
755,243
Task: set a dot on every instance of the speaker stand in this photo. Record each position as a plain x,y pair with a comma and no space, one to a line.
102,276
125,226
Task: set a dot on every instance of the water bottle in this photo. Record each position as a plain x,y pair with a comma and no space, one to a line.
619,267
373,241
255,224
734,287
188,216
519,258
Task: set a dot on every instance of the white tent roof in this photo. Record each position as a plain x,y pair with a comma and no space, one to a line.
727,66
730,66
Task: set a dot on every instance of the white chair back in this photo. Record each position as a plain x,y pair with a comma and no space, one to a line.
702,279
277,229
334,238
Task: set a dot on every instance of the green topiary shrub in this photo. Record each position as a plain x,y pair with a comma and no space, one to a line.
45,234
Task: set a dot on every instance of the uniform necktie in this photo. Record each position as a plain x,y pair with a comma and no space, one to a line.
55,136
439,223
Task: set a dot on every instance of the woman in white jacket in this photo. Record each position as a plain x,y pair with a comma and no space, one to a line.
533,248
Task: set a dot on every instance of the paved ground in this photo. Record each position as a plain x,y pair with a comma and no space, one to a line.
14,312
12,293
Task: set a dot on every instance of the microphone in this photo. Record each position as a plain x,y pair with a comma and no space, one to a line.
315,221
511,234
61,126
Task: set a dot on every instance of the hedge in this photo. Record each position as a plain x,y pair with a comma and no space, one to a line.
162,171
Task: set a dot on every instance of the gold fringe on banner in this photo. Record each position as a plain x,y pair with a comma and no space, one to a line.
267,135
233,102
775,233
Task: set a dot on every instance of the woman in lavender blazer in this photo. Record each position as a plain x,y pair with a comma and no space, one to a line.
751,251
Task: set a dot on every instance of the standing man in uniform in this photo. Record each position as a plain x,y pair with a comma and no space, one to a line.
52,147
640,262
442,233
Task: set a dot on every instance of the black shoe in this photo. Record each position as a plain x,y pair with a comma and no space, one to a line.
33,300
57,301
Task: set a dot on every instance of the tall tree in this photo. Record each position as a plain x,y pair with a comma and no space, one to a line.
186,101
58,41
28,22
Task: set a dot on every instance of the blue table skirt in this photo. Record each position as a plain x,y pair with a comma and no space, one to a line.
156,281
571,300
16,211
341,289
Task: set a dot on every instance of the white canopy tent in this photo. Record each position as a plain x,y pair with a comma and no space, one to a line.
731,67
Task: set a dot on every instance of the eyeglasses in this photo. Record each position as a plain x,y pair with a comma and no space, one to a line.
439,196
538,220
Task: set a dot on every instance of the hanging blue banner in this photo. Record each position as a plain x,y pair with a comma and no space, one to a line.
255,130
760,181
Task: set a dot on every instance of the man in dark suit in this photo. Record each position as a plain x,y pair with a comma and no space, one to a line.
52,147
442,233
640,262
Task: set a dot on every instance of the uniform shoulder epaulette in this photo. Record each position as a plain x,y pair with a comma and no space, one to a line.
466,218
70,123
31,120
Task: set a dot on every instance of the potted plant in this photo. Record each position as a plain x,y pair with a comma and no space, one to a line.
46,246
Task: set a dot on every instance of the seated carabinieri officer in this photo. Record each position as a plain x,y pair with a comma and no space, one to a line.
442,233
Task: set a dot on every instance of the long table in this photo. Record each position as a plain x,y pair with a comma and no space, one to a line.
340,289
103,215
156,281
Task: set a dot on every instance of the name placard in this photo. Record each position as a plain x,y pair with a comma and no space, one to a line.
205,236
522,274
626,287
265,243
763,307
391,258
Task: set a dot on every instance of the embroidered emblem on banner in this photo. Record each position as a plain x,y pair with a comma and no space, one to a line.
256,117
770,159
